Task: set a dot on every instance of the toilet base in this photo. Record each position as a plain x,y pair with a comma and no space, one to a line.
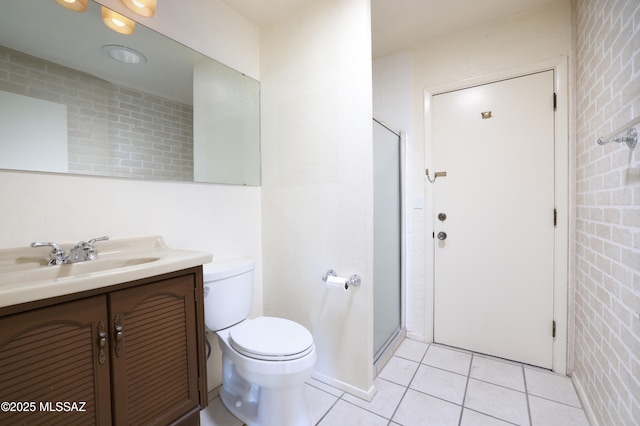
260,406
276,408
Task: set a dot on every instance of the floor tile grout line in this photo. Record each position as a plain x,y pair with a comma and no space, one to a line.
466,387
365,409
329,410
496,384
526,395
491,416
555,401
406,388
329,393
444,369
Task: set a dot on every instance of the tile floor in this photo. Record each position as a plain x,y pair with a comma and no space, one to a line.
426,384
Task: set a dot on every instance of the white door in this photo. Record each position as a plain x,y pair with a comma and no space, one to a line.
494,268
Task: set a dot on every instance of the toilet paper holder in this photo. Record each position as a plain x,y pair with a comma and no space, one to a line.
354,280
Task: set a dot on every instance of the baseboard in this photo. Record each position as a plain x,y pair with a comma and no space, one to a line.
213,394
367,395
586,406
418,337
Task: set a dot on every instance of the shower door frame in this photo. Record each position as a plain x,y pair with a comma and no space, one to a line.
390,345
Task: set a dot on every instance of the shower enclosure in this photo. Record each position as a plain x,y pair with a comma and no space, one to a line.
387,239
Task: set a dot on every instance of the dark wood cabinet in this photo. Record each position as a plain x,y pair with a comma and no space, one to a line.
132,354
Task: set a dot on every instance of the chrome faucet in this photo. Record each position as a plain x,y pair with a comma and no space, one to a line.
81,252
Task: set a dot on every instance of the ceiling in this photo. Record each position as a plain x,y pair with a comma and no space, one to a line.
400,24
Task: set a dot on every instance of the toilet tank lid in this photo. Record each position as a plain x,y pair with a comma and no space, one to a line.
227,268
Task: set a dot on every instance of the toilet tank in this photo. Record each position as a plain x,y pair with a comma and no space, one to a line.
228,292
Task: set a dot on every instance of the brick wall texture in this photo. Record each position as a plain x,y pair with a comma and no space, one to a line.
607,238
113,130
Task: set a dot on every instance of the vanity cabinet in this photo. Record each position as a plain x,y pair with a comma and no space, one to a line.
128,354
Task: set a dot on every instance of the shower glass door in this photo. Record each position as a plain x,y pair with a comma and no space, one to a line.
387,237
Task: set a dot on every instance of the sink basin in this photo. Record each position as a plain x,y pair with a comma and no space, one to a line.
44,272
25,274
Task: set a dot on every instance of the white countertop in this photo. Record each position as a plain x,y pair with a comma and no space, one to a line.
25,275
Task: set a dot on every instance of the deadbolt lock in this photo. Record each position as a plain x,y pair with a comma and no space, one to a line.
442,217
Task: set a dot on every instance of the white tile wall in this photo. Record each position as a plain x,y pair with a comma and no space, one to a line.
113,130
392,90
607,263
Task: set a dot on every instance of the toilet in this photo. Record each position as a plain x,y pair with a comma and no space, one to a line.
265,360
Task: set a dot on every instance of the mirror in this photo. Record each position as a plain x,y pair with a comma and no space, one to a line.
169,114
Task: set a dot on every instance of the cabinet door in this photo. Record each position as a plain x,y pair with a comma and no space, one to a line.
53,366
154,352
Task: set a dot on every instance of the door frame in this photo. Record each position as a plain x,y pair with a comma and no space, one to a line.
562,198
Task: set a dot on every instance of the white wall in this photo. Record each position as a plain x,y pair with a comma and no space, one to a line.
223,220
607,277
317,194
520,40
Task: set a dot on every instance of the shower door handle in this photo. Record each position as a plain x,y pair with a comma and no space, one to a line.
442,236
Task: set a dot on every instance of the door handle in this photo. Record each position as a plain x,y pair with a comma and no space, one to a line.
442,235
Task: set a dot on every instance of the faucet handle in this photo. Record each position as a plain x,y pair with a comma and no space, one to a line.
90,251
56,255
54,246
105,238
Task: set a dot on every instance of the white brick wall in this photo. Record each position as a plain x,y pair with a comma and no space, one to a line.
607,263
113,130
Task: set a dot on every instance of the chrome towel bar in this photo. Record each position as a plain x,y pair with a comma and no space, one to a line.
630,137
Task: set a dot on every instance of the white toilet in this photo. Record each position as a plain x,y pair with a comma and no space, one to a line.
266,360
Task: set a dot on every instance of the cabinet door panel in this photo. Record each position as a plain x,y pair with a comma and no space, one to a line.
155,376
50,359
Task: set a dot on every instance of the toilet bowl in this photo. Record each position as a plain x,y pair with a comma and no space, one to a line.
265,360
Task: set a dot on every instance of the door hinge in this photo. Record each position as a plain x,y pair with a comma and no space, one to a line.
555,101
553,329
555,217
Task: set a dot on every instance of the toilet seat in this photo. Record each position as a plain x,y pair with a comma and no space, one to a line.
271,339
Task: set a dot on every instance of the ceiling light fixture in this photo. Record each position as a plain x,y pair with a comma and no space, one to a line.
118,23
75,5
146,8
124,54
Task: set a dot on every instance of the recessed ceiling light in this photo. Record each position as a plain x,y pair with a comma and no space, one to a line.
124,54
75,5
117,22
145,8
